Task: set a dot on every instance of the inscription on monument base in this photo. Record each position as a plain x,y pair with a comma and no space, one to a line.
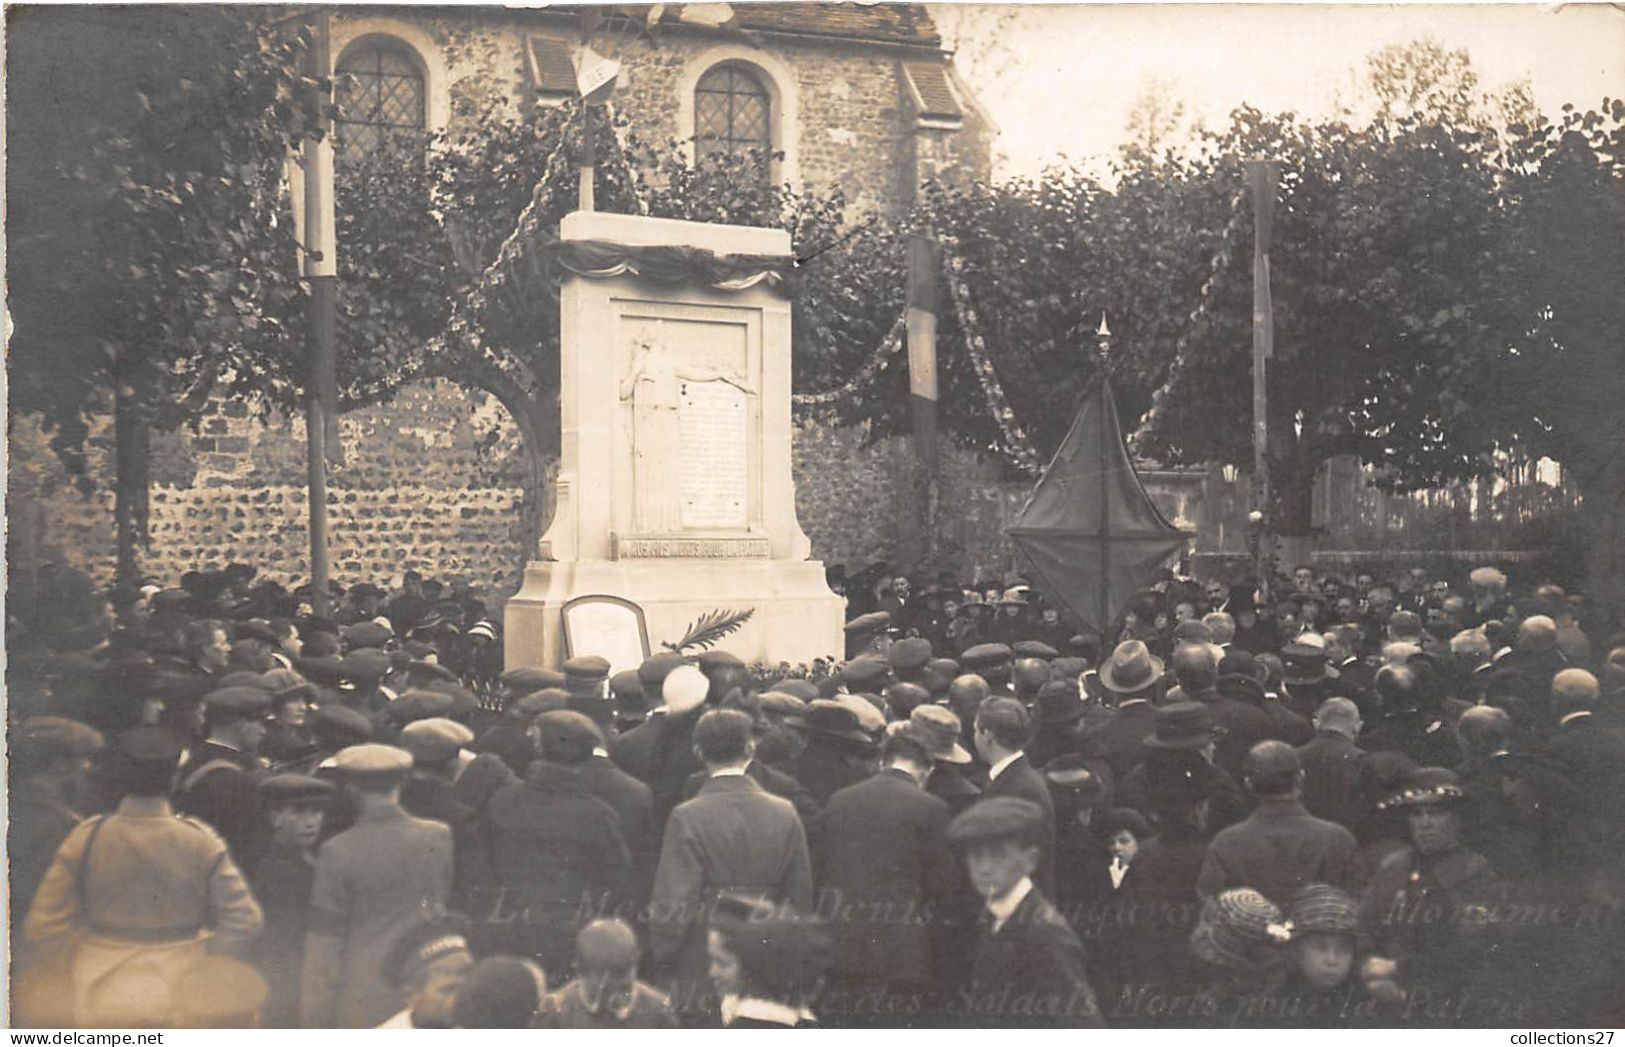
714,426
690,548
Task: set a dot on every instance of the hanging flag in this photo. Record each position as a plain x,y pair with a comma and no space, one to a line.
924,265
595,76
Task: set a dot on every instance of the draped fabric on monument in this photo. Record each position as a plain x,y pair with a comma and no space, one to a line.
1090,533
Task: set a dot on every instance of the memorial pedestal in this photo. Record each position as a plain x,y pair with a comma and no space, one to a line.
674,490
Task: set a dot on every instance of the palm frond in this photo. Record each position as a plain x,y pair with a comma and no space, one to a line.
710,628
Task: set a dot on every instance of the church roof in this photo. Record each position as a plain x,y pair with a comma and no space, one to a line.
891,23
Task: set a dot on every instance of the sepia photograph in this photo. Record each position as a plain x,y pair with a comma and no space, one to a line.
863,516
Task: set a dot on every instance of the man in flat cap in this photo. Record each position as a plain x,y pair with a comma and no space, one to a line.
282,880
1028,970
557,851
908,658
1003,728
880,847
992,662
733,835
436,743
50,763
372,881
135,898
218,777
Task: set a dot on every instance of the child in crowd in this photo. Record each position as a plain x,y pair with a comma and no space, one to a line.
606,993
1123,829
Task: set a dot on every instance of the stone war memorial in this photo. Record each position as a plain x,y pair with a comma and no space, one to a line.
674,490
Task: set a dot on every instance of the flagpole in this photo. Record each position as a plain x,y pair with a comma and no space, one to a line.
321,256
920,320
1103,337
1261,177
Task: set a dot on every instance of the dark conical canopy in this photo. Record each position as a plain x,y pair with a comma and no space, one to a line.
1091,534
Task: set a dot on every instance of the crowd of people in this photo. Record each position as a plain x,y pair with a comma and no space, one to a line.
1357,802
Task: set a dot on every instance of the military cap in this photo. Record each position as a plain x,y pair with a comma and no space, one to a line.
626,688
866,707
1089,781
53,736
997,818
655,668
294,790
910,654
419,705
984,654
238,703
1425,785
865,624
538,702
434,741
865,671
569,727
938,730
371,759
365,635
806,690
527,679
340,723
710,661
586,667
423,944
1034,649
367,666
147,744
782,703
1320,908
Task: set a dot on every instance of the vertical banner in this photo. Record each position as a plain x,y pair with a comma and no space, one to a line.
1261,178
924,270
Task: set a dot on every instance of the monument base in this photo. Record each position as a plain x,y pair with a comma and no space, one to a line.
797,619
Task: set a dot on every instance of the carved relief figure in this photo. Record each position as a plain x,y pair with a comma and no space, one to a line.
651,384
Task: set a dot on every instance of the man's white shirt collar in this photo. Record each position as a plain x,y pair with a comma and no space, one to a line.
729,772
998,768
1005,907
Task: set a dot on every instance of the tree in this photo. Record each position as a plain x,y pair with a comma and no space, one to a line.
1555,387
1389,285
153,258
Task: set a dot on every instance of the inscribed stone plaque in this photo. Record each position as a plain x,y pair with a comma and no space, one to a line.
714,429
608,627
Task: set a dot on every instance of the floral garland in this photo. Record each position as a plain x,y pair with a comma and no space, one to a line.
1221,260
1016,446
889,347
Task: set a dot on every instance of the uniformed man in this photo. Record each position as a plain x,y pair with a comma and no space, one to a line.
218,777
294,805
372,881
1028,969
134,900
